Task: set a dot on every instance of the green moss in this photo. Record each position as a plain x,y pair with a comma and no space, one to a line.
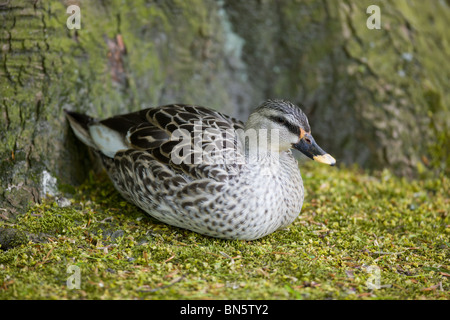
353,225
10,238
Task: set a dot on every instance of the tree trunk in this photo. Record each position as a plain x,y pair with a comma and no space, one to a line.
377,97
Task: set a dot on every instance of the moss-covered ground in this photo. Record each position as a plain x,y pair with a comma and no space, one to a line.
359,236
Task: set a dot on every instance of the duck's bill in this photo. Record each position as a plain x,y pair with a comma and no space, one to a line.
311,149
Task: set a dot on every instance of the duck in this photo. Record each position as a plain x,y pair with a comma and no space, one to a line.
198,169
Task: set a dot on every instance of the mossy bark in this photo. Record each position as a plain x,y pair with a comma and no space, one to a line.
376,97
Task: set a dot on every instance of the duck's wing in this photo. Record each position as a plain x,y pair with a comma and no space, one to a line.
190,140
193,140
202,142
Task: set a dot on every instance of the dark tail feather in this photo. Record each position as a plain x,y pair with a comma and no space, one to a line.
80,126
80,118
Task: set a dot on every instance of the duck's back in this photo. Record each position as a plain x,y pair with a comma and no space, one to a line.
155,152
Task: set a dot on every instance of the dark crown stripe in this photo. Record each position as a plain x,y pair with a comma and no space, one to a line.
291,127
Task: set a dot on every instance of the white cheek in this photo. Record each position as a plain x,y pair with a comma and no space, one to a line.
286,140
295,139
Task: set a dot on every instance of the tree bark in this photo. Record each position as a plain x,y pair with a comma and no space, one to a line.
377,97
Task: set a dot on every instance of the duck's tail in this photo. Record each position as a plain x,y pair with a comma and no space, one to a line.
80,125
95,134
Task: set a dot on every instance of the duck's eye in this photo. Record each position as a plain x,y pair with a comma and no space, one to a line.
281,120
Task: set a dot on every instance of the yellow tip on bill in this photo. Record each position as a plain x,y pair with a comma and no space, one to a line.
325,158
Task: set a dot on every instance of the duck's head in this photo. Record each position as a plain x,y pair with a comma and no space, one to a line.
291,126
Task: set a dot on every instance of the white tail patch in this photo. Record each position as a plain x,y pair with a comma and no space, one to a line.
107,140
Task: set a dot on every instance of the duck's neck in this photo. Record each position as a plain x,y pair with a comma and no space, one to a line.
260,143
